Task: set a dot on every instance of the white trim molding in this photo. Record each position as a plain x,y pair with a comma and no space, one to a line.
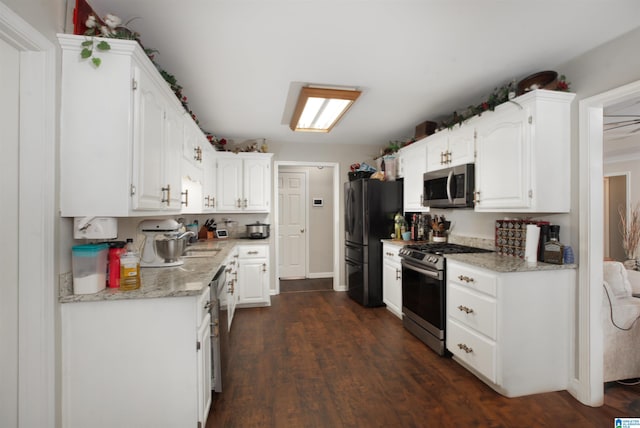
587,385
37,404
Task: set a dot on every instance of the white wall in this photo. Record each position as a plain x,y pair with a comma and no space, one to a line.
38,368
342,153
320,227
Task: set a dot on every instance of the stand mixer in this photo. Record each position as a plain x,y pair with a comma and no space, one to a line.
163,243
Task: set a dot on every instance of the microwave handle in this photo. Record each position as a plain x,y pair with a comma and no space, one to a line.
449,179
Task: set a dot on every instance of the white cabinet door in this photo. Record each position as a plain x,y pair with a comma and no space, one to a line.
229,184
193,144
232,281
159,133
244,182
392,278
149,133
209,190
462,143
451,147
524,155
253,275
172,163
503,174
204,370
437,149
252,279
414,164
257,188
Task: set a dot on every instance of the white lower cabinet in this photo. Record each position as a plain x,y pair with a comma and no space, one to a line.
392,278
230,298
253,275
136,362
512,330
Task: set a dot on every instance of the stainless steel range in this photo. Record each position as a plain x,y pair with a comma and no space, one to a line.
424,290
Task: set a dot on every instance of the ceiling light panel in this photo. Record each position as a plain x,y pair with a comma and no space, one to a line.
319,109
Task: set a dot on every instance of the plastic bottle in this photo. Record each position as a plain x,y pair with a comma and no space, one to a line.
116,250
130,268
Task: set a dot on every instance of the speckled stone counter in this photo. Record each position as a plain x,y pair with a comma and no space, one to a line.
186,280
499,263
490,261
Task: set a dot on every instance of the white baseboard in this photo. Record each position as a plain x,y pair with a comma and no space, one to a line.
320,275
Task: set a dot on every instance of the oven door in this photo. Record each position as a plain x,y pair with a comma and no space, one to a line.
423,295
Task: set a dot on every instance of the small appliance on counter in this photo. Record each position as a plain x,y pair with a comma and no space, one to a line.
258,230
163,243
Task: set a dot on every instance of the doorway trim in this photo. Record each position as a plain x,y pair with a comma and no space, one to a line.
37,380
336,218
588,385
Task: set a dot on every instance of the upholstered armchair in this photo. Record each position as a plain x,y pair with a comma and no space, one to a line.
621,327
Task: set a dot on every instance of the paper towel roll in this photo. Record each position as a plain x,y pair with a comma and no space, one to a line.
531,247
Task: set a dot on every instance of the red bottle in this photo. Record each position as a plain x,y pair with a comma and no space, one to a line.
113,267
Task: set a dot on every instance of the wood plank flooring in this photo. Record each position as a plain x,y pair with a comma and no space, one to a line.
318,359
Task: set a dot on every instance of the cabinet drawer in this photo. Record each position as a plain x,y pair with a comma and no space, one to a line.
472,309
471,278
202,308
390,253
252,251
470,347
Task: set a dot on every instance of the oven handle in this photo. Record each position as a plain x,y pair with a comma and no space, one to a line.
449,179
431,273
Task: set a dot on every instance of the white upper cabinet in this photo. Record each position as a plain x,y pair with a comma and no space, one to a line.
243,182
209,190
451,147
523,155
414,165
121,134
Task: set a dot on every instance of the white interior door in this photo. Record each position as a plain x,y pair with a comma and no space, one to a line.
9,123
292,224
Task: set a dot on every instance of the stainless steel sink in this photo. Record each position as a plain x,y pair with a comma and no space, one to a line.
200,252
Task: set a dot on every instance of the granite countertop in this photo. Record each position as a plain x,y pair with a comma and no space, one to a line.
491,261
499,263
186,280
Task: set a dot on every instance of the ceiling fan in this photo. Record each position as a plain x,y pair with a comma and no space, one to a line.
622,121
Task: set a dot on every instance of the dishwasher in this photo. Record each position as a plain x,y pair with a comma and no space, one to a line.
218,329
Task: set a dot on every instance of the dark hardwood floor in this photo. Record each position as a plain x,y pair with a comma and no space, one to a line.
318,359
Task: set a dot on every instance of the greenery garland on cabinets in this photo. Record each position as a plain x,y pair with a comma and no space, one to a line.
111,27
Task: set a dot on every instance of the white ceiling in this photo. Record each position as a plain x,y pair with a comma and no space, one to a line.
415,60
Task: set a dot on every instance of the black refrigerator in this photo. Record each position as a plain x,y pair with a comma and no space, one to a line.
370,207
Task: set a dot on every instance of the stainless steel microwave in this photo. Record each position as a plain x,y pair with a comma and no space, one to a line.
449,187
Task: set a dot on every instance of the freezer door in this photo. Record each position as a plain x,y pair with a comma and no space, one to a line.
354,211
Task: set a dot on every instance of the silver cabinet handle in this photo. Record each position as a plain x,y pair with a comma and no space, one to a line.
465,348
465,278
398,274
168,198
465,309
185,202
